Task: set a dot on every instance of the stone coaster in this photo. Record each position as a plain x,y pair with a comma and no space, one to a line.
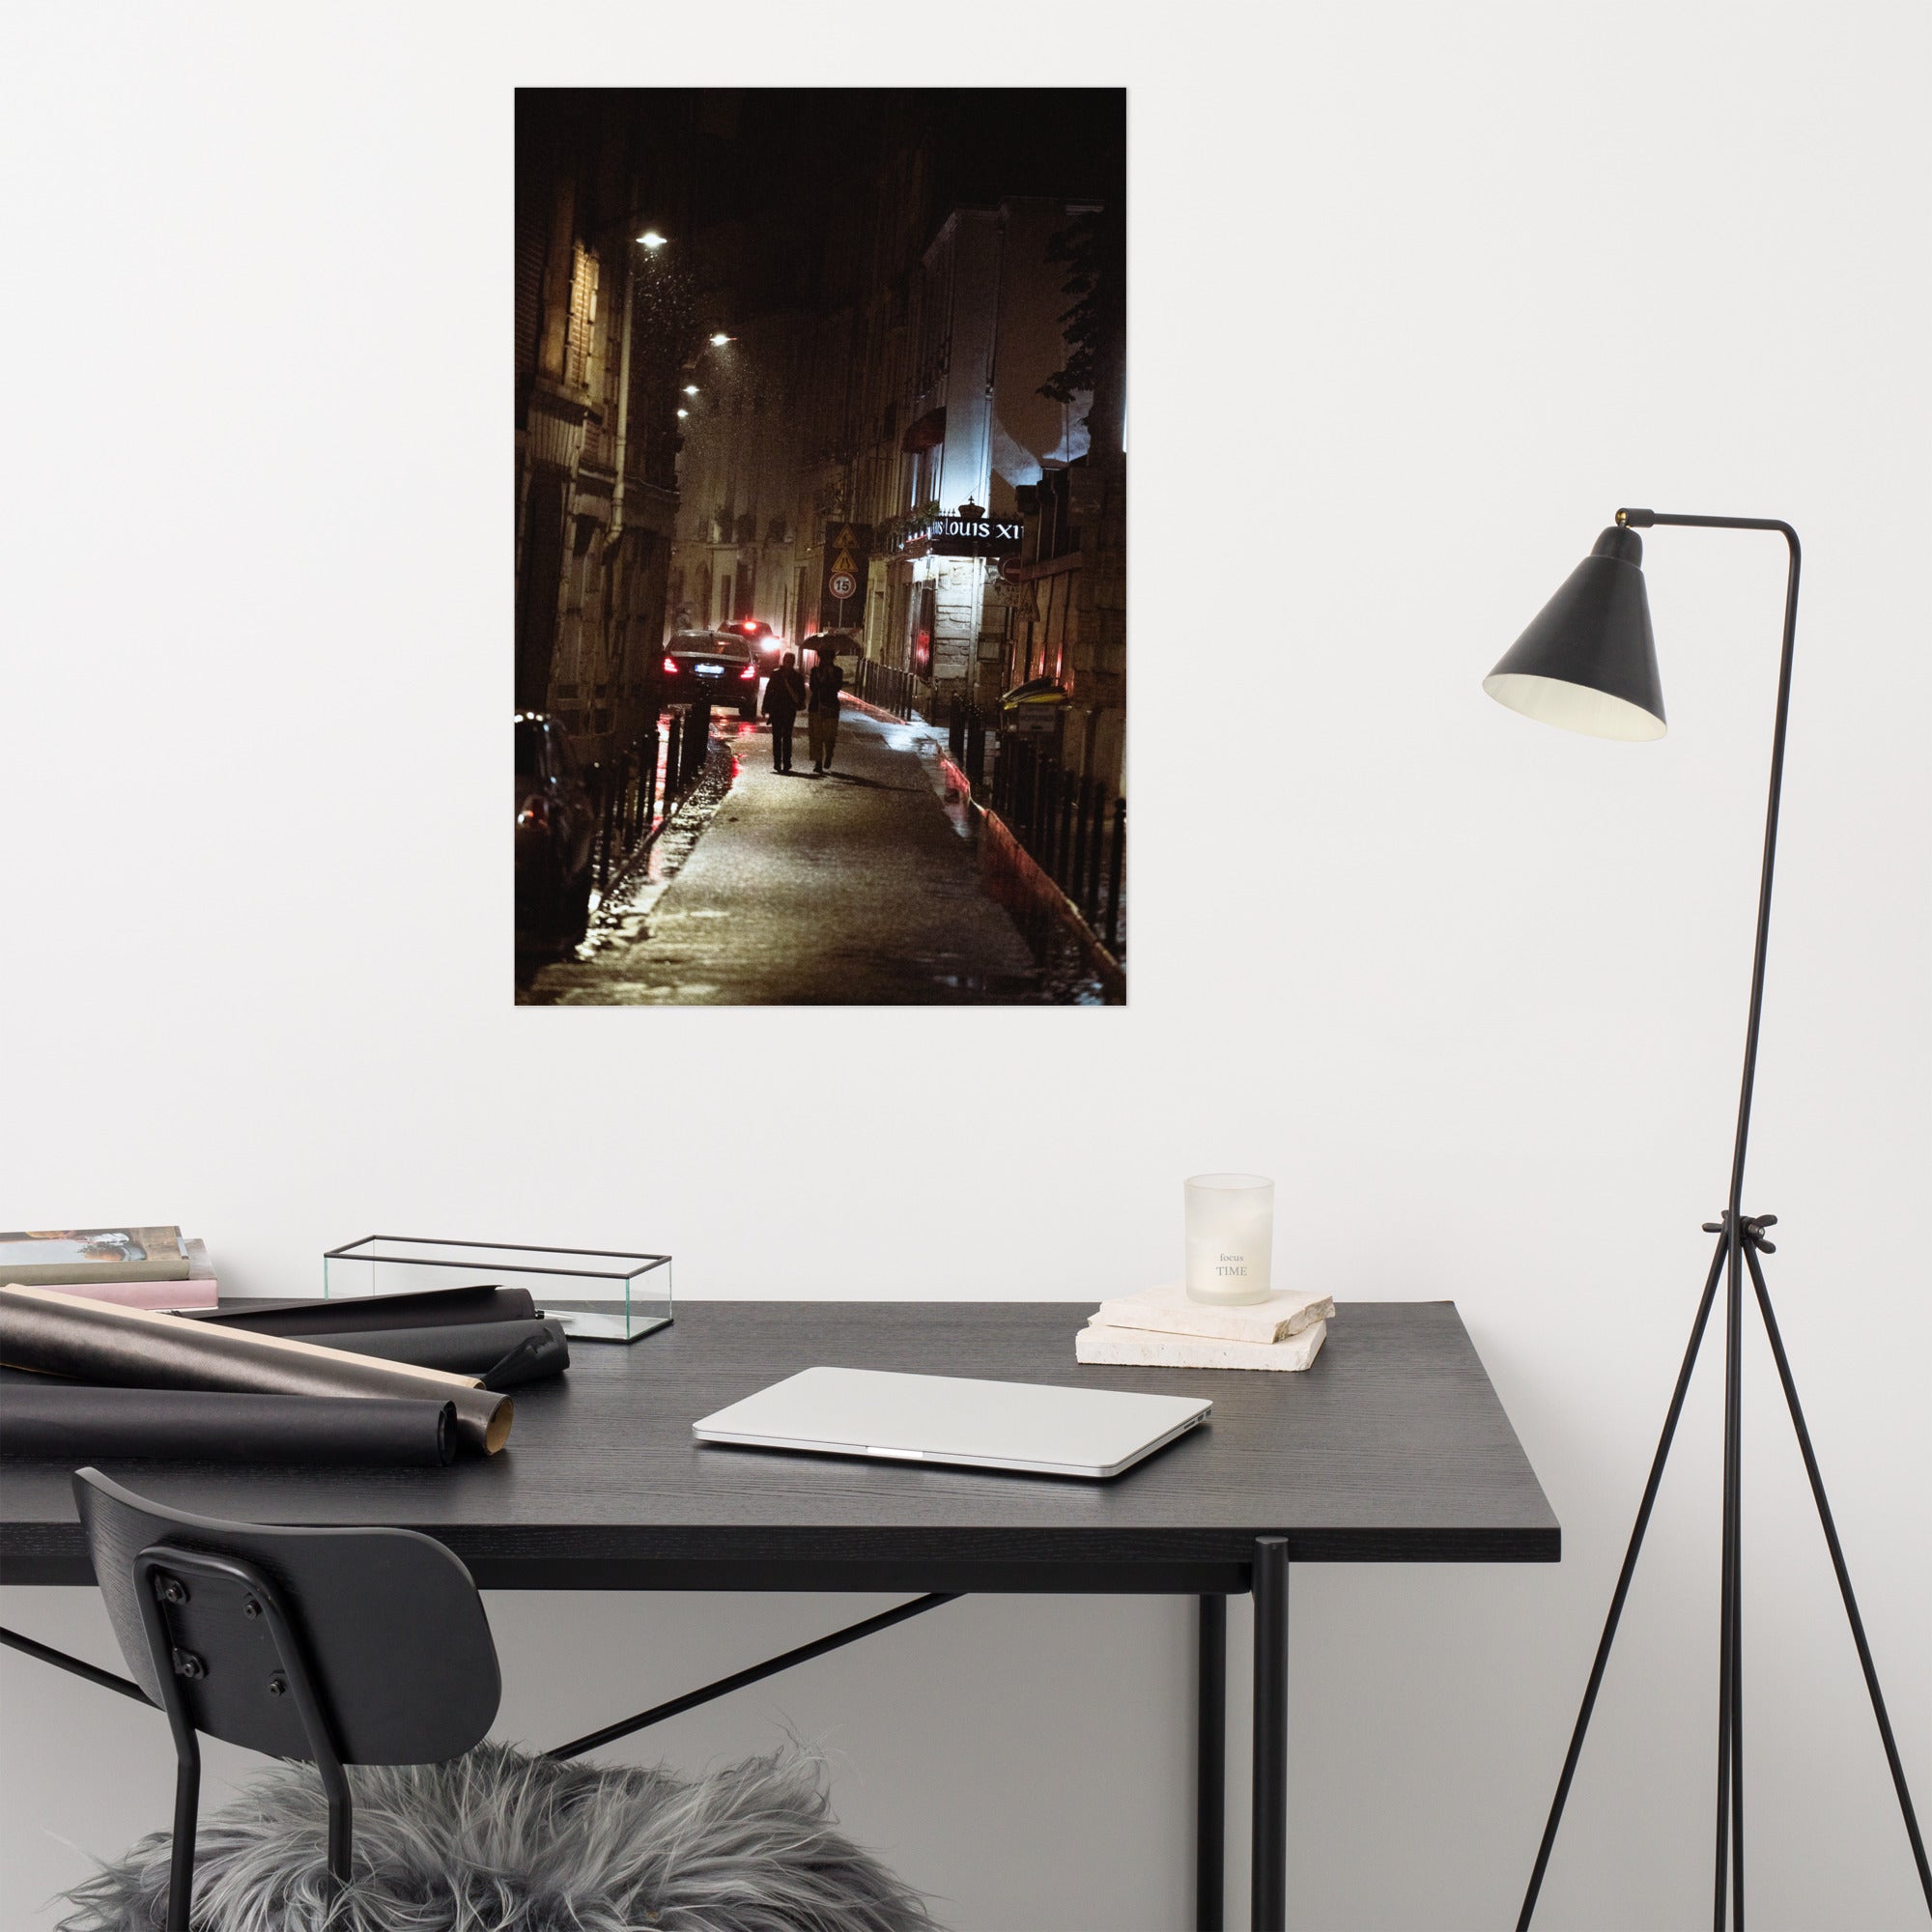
1142,1348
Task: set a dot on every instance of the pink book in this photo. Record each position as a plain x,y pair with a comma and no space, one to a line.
158,1294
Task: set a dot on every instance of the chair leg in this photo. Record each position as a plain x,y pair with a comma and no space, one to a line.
180,1864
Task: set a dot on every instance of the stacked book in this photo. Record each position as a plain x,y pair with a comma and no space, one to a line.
131,1268
1161,1327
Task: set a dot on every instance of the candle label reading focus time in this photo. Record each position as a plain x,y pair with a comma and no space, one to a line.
1231,1265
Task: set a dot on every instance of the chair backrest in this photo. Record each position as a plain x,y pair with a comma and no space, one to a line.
392,1634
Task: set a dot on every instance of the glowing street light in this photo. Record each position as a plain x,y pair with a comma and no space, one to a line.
691,389
651,239
719,340
684,413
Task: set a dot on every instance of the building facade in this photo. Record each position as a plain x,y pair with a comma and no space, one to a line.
954,418
602,327
978,433
736,550
909,361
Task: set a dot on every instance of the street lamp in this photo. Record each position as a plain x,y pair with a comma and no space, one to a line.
719,340
691,389
683,412
651,240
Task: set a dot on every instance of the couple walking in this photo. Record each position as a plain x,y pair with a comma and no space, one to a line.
786,693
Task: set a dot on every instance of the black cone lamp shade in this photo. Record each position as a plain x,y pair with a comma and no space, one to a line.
1588,662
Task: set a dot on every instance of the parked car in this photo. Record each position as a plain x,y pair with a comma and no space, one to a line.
557,822
717,667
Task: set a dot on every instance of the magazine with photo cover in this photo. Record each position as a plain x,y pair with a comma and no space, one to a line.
57,1255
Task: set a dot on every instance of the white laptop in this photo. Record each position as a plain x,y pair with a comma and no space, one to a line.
980,1425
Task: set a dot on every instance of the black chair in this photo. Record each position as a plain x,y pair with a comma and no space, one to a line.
329,1646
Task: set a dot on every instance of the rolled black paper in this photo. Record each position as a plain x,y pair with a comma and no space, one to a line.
69,1422
61,1334
363,1313
524,1363
466,1347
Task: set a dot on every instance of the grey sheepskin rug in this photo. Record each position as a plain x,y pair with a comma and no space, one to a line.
497,1841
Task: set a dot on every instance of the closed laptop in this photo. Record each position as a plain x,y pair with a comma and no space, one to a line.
1042,1430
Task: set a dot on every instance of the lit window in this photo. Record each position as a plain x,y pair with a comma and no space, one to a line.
578,347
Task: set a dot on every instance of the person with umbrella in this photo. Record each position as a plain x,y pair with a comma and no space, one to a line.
822,716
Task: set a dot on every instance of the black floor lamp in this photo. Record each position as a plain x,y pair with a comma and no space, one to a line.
1588,662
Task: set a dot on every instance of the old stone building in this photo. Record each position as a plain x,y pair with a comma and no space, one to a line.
602,328
977,431
738,474
930,384
883,342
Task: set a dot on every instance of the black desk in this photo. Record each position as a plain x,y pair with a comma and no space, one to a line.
1392,1448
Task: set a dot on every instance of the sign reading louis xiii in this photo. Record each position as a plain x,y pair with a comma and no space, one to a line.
973,535
842,590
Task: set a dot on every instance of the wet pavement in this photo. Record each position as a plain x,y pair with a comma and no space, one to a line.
858,888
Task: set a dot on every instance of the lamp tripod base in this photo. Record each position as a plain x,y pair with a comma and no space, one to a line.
1741,1241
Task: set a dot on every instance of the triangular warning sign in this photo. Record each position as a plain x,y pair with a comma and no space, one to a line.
844,561
845,538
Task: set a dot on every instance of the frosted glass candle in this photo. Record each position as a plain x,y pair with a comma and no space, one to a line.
1230,1236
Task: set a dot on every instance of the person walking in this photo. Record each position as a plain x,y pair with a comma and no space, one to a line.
822,716
784,699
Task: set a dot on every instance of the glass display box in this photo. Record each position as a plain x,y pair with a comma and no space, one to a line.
598,1296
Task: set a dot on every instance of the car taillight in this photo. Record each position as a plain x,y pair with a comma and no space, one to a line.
750,625
670,664
535,813
750,671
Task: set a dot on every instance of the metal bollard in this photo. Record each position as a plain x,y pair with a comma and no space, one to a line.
1049,814
1077,858
601,780
614,818
1114,878
1095,840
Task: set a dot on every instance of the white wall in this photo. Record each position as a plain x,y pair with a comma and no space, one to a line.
1421,295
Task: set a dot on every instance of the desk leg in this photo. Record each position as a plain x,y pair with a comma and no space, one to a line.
1211,1767
1270,1893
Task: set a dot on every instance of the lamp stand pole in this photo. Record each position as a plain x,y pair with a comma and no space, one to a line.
1741,1239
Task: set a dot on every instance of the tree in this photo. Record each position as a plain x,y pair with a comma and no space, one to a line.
1093,246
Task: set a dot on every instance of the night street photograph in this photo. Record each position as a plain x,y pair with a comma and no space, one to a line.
821,655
